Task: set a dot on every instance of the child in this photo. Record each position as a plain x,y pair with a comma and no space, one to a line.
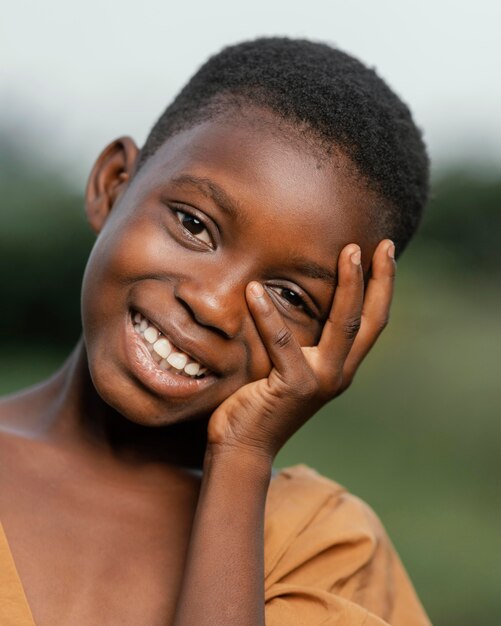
243,269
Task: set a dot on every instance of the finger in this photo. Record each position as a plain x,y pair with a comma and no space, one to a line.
376,307
343,322
281,345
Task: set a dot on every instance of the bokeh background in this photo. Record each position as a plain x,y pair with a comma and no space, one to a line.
419,433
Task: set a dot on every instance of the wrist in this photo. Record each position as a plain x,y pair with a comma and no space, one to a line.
242,461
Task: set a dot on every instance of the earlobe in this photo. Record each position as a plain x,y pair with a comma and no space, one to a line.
108,179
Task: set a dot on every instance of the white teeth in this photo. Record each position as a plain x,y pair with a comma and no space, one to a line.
163,352
151,334
192,369
177,360
163,347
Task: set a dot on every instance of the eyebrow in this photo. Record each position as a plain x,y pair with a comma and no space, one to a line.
314,270
213,191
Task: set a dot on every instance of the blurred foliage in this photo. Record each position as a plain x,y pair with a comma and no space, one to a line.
463,221
417,435
44,244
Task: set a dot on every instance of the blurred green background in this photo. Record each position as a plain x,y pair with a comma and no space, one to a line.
417,436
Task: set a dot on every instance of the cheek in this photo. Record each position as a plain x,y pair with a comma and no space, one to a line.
105,286
308,337
260,363
129,251
126,250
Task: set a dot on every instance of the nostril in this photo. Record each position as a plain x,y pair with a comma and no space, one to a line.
205,316
221,332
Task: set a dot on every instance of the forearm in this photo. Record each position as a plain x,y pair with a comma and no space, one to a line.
223,583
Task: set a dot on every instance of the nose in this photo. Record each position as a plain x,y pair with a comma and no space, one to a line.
219,305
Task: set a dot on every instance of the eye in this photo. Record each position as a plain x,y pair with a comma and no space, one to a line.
293,299
194,226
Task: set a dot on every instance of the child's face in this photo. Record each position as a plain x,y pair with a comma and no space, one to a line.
216,207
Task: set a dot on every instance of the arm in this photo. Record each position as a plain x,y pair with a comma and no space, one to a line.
223,583
224,575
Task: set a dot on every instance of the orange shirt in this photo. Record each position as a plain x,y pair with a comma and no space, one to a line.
14,608
328,561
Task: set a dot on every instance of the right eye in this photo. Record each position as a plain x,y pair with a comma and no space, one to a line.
293,300
194,226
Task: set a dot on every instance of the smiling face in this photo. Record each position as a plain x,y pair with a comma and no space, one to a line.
217,206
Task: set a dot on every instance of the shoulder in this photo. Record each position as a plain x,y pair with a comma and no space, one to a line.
302,494
332,547
305,507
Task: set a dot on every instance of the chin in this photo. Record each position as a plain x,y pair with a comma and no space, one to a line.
136,403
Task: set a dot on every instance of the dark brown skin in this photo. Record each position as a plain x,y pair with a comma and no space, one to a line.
108,514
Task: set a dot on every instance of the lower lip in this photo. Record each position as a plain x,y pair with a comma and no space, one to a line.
164,382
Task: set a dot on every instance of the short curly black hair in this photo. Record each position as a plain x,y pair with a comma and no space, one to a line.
339,100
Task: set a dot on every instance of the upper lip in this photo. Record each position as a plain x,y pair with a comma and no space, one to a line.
186,344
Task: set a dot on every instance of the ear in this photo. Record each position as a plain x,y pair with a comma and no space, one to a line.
108,180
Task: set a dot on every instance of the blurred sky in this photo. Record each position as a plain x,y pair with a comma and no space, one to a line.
76,75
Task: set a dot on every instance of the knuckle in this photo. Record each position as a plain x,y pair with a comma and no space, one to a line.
381,323
351,327
345,383
309,386
334,385
304,388
283,337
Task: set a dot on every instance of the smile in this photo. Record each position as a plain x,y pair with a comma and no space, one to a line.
166,355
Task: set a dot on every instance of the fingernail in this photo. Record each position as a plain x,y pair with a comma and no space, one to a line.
356,257
391,251
257,290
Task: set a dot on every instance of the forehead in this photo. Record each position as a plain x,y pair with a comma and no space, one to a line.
274,176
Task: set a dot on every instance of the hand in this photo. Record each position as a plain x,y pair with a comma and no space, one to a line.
261,416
